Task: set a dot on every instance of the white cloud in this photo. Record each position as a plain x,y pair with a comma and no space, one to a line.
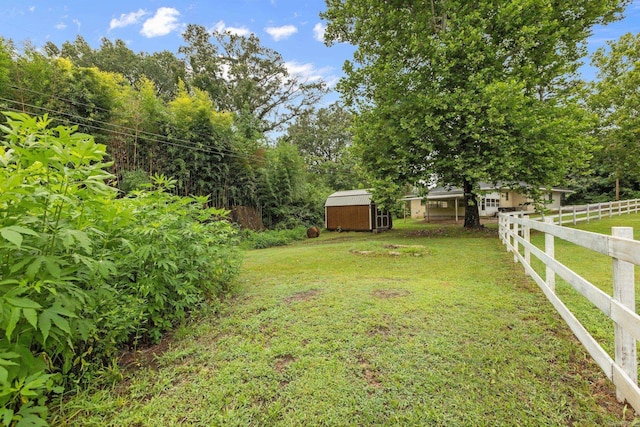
127,19
318,31
32,8
279,33
162,23
78,23
60,26
221,27
309,73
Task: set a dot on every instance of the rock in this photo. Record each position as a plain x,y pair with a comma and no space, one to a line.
313,232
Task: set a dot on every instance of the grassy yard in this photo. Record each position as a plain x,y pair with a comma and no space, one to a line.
596,268
423,325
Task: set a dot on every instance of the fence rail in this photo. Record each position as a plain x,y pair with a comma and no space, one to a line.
579,213
515,229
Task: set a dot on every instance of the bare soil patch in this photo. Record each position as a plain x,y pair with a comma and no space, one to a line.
302,296
283,362
390,293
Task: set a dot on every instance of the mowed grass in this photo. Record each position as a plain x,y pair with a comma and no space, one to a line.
593,266
422,325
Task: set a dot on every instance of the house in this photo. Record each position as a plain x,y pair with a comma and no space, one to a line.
354,210
443,203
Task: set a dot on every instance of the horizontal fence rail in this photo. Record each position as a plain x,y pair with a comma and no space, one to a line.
580,213
514,231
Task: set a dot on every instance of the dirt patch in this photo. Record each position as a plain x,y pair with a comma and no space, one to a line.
390,246
392,250
284,361
370,374
379,330
302,296
145,357
390,293
363,252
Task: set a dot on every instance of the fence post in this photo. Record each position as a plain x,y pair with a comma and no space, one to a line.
515,240
526,234
624,293
599,210
619,208
574,214
610,209
549,249
560,215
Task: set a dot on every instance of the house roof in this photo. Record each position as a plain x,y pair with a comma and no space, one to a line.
439,193
349,198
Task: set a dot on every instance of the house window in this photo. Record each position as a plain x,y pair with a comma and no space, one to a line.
490,202
550,197
438,204
506,196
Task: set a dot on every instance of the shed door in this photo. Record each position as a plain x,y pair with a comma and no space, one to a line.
382,219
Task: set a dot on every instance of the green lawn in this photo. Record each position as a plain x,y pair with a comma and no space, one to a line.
423,325
596,268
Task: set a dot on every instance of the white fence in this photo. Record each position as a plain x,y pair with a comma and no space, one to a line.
624,251
579,213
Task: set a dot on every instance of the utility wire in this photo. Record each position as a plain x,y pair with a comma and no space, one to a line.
203,149
76,103
138,132
153,137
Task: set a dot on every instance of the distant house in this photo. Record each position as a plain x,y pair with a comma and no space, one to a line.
442,203
354,210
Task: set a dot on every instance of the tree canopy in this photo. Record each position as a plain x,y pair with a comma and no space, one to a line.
465,92
616,100
245,77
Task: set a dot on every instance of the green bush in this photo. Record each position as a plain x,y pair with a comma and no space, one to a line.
270,238
83,273
171,255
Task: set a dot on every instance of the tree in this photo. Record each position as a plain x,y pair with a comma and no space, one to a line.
287,198
467,91
165,71
615,98
324,139
246,78
5,67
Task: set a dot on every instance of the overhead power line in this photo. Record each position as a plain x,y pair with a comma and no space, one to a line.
95,107
124,130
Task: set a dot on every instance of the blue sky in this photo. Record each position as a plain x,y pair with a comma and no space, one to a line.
291,27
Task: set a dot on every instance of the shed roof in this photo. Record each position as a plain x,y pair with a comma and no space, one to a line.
349,198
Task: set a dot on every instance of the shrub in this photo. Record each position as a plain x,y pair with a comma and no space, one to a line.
171,254
270,238
83,273
51,184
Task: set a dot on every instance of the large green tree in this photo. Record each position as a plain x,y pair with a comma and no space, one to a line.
163,68
464,91
324,139
616,99
246,78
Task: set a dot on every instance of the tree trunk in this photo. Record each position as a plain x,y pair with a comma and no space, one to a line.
471,212
617,187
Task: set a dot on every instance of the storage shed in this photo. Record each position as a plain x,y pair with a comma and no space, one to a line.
354,210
